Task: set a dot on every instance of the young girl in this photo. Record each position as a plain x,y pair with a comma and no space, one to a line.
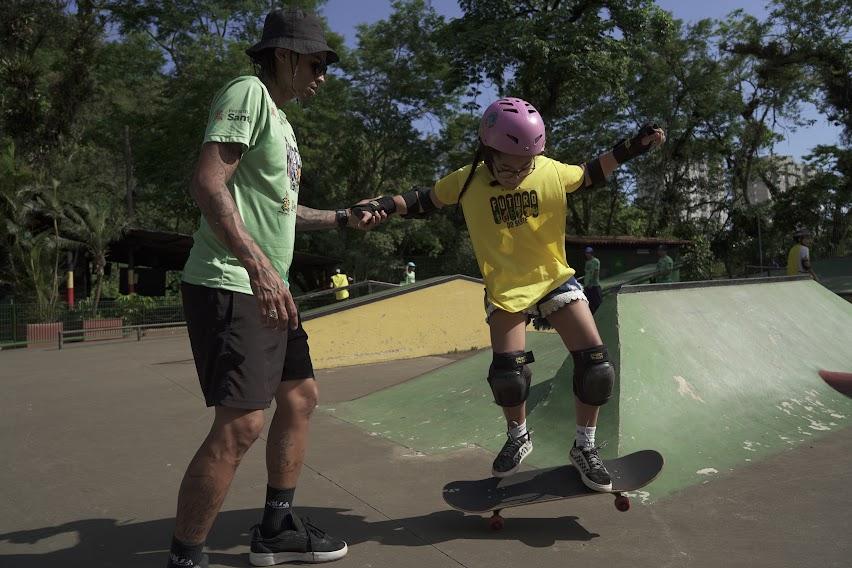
514,203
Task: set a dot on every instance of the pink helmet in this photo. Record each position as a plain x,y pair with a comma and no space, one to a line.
512,126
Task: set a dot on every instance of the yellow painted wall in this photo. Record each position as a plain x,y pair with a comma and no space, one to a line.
428,321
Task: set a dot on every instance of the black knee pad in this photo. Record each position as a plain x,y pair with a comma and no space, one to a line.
509,377
594,375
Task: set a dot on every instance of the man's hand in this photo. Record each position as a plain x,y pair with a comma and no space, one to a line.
274,302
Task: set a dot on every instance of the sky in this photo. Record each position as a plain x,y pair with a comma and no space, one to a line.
344,15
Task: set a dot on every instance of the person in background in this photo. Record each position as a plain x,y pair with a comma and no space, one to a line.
665,266
408,277
592,280
340,280
799,257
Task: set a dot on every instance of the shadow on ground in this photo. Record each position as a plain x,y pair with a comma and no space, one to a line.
107,542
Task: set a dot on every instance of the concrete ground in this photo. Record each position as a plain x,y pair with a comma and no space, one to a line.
96,438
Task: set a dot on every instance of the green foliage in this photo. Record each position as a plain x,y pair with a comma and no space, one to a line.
101,102
697,260
132,308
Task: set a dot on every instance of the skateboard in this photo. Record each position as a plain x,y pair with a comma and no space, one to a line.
841,382
628,473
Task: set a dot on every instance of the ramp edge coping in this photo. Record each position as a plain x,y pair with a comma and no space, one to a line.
638,288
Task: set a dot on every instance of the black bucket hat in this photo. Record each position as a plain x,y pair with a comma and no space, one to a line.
296,30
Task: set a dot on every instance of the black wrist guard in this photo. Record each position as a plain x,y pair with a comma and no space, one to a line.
418,202
384,203
629,149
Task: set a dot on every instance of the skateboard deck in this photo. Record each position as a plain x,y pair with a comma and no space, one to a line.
841,382
628,473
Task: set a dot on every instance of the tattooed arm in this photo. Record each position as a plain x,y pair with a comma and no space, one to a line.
216,165
308,219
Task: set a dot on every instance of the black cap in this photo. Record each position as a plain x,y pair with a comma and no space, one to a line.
295,30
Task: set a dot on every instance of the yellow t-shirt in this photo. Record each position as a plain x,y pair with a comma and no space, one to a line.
518,235
798,253
339,281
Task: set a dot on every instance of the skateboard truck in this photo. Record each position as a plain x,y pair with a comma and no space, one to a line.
496,521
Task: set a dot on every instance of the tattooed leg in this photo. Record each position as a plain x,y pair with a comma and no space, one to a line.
211,471
288,433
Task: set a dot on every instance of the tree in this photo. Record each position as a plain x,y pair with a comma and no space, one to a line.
812,36
93,227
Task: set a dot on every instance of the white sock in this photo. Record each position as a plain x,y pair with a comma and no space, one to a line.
585,436
517,430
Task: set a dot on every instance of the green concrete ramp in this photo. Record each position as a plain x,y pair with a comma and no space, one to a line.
714,375
451,408
718,375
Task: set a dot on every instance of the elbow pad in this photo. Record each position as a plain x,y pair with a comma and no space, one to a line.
594,170
418,202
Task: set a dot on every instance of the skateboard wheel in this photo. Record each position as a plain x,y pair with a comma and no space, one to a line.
622,503
496,522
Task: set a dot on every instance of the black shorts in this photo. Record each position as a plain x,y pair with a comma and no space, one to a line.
595,296
240,362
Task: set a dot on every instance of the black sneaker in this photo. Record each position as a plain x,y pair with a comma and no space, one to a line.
510,457
591,468
175,562
304,543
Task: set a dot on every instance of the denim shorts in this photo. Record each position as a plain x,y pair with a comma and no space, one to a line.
567,292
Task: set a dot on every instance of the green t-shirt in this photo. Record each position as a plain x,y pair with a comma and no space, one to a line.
665,267
593,273
265,185
409,278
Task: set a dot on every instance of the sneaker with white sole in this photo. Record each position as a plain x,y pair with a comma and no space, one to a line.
303,543
591,468
510,457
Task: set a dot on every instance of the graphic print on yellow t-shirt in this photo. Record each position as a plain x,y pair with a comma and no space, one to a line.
518,234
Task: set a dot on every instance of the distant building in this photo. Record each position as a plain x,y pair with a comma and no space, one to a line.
705,185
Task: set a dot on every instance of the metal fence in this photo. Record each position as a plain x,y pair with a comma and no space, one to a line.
111,332
16,318
325,297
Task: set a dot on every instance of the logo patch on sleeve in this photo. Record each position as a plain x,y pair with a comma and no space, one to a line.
238,115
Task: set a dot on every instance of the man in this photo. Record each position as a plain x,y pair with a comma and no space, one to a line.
340,280
799,257
408,277
592,280
248,344
665,266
